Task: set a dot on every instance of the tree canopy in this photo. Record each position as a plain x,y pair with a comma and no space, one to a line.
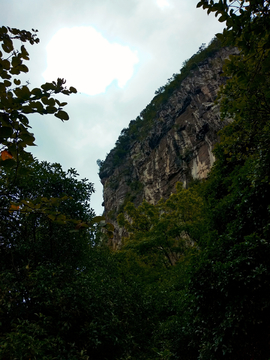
17,100
222,310
166,230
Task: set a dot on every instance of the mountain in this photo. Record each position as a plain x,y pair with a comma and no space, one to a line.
172,139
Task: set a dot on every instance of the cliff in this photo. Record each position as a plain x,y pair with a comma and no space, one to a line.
172,139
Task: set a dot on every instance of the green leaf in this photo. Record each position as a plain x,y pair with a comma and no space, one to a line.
62,115
17,81
51,109
5,131
37,92
48,101
48,86
5,75
5,64
36,105
16,61
3,30
223,18
24,120
23,93
28,138
27,110
24,53
6,101
23,68
73,90
7,83
8,164
15,71
2,88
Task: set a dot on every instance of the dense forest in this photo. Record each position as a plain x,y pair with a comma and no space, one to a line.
191,280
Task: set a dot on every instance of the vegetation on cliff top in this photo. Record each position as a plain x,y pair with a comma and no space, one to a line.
223,306
139,128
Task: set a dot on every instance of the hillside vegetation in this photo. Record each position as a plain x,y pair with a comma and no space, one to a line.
139,128
191,280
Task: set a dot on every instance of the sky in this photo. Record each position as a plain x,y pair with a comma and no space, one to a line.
117,53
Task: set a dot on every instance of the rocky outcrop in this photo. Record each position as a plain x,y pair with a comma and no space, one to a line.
178,146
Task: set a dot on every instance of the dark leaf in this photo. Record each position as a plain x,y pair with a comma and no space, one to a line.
62,115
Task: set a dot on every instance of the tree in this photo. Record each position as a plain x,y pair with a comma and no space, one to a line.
238,187
228,303
62,295
246,94
162,233
16,164
17,100
59,312
52,222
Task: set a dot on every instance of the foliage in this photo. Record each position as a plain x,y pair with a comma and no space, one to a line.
227,307
64,295
25,189
230,307
246,21
219,301
59,312
99,163
139,128
238,186
17,100
52,222
162,233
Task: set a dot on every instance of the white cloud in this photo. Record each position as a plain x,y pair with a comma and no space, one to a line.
163,3
164,37
88,61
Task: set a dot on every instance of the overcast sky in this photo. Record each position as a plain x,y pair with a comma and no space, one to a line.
116,53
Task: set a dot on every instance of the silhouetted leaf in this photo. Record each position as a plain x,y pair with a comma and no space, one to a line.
62,115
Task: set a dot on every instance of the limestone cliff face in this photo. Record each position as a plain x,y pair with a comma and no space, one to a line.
177,147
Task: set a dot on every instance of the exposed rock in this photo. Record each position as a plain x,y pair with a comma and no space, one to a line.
177,148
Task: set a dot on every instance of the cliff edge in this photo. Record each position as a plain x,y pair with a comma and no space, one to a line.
172,140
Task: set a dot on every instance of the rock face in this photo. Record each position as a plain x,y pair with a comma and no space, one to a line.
178,147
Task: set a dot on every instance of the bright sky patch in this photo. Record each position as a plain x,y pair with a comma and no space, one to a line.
87,60
163,3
